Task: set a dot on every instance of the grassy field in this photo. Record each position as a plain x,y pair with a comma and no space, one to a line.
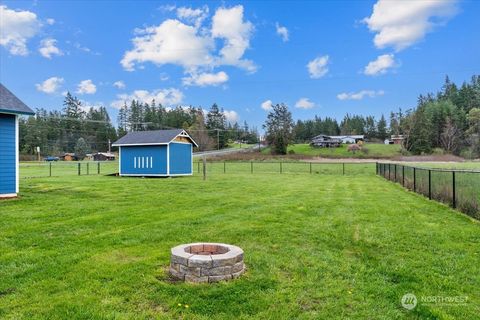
460,189
468,165
316,246
373,150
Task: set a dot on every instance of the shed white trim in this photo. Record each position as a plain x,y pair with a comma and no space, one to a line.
168,159
120,160
155,175
8,195
17,157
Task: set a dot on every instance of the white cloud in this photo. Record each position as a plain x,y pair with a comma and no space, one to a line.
267,105
48,48
231,116
304,103
166,97
282,32
171,42
228,23
360,94
86,87
167,7
205,79
50,21
195,16
119,84
191,44
16,27
50,86
400,24
318,67
380,65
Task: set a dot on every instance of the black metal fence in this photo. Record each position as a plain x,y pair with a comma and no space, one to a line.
457,188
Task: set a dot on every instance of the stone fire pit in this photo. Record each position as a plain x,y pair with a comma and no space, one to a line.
206,262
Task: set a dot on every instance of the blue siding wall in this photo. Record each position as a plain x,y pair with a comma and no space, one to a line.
8,166
180,158
144,160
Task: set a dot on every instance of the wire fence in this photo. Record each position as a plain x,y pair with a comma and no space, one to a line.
81,168
457,188
66,168
284,167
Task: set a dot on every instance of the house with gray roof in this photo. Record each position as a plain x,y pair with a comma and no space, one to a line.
10,109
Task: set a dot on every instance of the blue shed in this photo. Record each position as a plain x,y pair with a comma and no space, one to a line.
10,108
159,153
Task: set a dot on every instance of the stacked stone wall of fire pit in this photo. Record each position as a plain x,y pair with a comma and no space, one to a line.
206,262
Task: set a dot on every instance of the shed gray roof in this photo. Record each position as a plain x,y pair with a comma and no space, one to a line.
11,104
150,137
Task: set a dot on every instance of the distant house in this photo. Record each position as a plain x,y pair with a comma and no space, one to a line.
324,141
69,157
350,138
160,153
10,109
103,156
397,139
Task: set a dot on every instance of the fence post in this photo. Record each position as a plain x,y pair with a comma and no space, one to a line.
280,166
310,167
224,166
429,184
454,201
79,168
395,172
389,170
251,166
376,168
98,167
88,169
50,171
403,175
198,166
414,180
204,160
343,168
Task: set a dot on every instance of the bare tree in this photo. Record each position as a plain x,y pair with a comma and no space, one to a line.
450,135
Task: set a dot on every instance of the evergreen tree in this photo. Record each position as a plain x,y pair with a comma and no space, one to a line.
81,149
279,128
216,124
382,128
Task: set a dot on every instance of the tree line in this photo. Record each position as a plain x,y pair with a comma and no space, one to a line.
303,131
82,130
447,120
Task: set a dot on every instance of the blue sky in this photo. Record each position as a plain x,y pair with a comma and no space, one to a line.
325,58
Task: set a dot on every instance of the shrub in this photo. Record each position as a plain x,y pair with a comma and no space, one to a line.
353,148
291,151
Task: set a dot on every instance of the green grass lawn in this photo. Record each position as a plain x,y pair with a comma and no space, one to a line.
239,145
316,246
371,150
